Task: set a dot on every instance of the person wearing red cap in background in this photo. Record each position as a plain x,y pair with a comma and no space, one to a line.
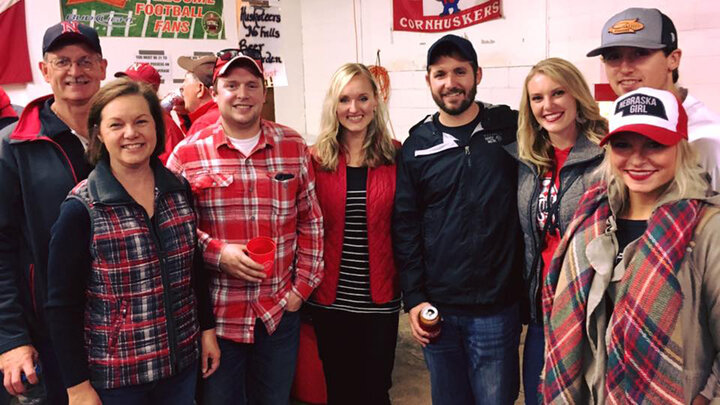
252,177
42,157
145,72
8,115
631,303
197,91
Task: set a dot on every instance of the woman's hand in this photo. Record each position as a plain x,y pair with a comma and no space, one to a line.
83,394
210,358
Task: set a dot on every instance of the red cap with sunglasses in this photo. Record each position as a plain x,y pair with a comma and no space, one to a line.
228,57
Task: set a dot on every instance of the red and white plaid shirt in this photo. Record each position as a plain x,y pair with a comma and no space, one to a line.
269,193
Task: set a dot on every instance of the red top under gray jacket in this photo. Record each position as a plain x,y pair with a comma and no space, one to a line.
331,188
138,280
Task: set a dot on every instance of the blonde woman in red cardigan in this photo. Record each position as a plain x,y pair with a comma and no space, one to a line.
355,309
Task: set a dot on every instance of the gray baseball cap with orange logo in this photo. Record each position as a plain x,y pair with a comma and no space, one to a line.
640,28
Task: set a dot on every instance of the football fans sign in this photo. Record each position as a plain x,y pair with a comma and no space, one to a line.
186,19
442,15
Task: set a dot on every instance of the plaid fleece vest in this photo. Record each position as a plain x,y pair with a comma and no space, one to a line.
141,314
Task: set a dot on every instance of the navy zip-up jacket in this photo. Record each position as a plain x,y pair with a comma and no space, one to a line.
456,234
36,174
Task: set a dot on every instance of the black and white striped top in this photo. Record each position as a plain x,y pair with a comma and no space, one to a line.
353,292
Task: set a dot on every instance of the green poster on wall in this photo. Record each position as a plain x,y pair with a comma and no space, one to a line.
194,19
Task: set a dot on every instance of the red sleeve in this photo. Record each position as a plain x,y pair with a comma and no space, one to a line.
173,136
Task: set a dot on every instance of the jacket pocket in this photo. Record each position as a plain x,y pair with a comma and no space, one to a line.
117,322
31,272
431,225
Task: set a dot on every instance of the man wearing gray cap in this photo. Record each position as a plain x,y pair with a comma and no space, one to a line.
639,48
42,157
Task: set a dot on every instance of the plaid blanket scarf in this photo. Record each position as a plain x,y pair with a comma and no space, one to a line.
645,361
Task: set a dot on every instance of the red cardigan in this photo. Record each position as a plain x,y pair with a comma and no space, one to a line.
331,190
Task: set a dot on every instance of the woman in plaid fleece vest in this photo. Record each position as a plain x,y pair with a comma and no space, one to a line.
632,299
127,295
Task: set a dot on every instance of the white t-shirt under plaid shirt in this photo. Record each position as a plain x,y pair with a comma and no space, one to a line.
270,193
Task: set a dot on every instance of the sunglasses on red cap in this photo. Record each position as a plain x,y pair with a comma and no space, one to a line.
227,54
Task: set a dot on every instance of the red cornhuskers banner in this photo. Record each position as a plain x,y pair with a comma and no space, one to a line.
15,60
442,15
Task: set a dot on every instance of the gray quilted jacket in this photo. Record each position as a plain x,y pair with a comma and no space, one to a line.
575,177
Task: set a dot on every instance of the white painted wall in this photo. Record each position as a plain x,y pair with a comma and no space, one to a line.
319,36
530,31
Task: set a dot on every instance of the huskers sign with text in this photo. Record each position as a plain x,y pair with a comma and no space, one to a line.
260,28
442,15
193,19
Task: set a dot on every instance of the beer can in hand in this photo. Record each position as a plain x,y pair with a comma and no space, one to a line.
171,100
429,319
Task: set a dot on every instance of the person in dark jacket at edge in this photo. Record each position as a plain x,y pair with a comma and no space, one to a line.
458,244
8,115
42,157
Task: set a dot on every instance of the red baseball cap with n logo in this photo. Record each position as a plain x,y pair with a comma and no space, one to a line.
142,72
68,32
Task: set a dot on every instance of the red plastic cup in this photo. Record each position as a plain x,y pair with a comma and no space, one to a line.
262,250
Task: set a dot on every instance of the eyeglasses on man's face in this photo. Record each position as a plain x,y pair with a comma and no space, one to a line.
86,63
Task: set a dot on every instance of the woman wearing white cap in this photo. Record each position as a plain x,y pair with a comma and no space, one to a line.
632,301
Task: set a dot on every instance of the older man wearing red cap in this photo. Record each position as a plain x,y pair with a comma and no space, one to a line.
42,157
252,177
145,72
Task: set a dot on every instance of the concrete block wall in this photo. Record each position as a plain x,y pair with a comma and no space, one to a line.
529,31
319,36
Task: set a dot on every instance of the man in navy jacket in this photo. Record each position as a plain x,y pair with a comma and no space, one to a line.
42,156
456,233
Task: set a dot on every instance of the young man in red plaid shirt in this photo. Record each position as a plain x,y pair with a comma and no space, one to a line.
251,177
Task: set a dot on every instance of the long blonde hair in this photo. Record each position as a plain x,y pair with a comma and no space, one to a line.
688,175
533,143
378,148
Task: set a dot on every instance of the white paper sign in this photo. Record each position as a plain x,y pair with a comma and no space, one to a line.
159,60
260,28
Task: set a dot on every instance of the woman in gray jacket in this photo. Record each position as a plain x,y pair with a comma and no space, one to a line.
558,130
